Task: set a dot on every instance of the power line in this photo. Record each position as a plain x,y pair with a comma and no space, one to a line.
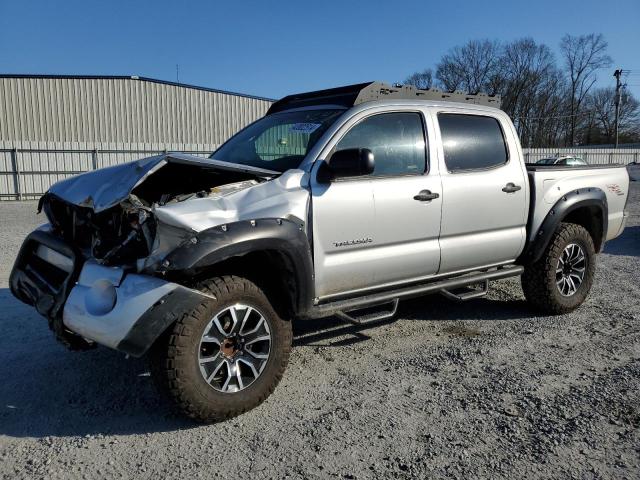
556,116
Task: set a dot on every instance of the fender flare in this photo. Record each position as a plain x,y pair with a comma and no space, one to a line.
569,202
216,244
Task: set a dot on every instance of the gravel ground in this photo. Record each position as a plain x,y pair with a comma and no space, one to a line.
484,389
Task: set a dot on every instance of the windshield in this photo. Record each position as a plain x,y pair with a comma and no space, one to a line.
279,141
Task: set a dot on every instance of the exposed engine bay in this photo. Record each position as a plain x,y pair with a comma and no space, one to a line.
119,227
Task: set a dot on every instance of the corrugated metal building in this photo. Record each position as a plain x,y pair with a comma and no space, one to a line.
124,110
54,126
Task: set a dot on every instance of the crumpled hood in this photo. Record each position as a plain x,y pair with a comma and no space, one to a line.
102,189
282,197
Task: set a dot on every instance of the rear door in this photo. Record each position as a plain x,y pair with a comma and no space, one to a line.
370,231
485,191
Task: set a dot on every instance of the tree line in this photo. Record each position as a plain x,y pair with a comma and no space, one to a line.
552,103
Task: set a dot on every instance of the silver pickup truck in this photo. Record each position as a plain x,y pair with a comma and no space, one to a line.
337,202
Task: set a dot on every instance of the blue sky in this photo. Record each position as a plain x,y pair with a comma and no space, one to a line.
275,48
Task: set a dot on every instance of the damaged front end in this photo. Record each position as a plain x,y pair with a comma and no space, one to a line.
97,268
114,236
109,215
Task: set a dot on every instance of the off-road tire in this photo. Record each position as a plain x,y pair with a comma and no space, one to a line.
174,357
539,278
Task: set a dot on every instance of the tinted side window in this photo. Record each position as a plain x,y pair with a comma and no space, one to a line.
396,140
471,141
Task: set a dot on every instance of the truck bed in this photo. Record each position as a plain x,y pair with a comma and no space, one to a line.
549,183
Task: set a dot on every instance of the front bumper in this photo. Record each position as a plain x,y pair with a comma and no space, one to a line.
44,272
106,305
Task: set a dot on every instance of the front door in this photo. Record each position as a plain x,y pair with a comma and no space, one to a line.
381,229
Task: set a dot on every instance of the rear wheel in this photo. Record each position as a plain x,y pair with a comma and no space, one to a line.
227,355
561,280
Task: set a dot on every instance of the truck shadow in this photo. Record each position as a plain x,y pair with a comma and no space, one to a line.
321,332
49,391
626,244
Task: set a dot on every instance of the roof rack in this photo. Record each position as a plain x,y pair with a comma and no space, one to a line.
351,95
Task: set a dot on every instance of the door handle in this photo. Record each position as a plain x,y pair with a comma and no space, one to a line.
511,187
426,196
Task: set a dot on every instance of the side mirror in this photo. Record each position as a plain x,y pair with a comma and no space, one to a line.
351,162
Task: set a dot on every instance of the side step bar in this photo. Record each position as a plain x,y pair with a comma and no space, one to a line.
436,286
468,294
367,319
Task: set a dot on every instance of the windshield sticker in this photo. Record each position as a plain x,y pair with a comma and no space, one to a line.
304,127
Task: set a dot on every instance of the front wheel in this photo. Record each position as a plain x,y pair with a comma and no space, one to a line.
227,355
560,281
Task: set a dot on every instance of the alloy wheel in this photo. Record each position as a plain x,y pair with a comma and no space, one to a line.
234,348
570,270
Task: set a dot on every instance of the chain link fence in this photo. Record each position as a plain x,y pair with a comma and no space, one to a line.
26,173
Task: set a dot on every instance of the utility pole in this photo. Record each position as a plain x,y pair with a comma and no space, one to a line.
177,73
617,74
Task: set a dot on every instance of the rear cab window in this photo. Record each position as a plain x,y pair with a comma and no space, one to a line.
472,142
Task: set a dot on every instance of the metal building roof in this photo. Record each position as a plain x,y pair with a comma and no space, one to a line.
133,77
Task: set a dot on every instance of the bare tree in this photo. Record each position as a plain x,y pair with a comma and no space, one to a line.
549,106
630,117
548,118
423,80
583,56
523,72
474,67
601,103
529,72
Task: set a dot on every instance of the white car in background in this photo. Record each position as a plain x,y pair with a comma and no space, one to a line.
567,160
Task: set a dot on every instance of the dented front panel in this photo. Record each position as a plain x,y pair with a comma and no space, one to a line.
284,197
124,310
113,230
136,214
102,309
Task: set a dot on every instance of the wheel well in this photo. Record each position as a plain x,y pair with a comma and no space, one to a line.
271,270
589,217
